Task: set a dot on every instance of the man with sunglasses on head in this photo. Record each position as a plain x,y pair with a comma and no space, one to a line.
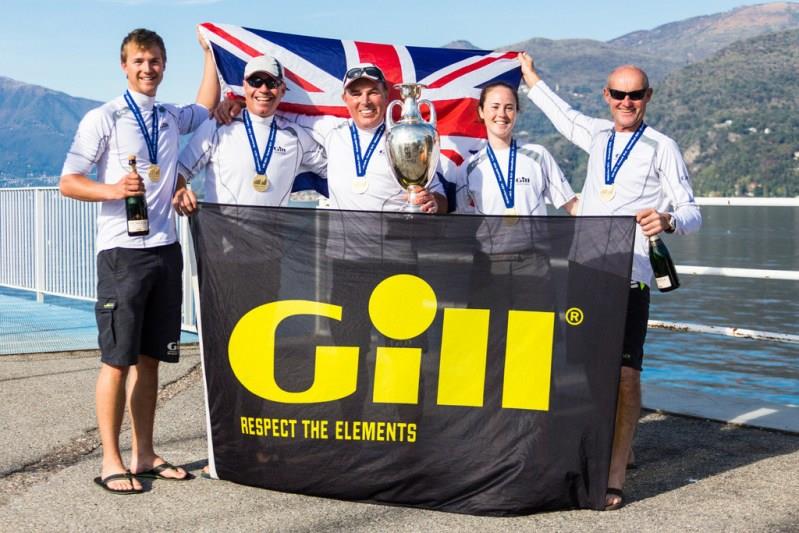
358,173
254,159
358,181
634,170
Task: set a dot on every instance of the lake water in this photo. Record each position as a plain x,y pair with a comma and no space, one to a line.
741,237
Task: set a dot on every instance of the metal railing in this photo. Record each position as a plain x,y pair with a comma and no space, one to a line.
47,247
61,234
751,273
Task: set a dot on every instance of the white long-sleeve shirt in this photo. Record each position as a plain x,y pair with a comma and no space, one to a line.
380,190
653,176
224,152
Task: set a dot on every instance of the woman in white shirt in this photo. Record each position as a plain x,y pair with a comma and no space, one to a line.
504,177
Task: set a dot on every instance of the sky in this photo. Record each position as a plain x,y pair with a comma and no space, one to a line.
73,45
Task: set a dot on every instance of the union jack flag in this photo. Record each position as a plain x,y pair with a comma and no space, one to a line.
314,67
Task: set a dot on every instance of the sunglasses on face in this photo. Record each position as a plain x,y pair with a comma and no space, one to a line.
373,73
634,95
256,81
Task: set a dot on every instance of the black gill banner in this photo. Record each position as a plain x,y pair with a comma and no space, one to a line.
459,363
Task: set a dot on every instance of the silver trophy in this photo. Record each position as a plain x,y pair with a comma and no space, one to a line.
412,142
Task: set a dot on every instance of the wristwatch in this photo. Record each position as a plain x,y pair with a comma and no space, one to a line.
672,224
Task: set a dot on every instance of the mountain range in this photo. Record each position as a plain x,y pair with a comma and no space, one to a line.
725,88
36,129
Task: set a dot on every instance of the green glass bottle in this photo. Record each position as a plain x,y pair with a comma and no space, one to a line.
136,209
662,265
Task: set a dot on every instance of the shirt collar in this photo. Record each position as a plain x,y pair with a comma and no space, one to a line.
266,121
370,131
144,102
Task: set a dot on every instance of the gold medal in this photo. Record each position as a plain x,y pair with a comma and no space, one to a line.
511,216
607,192
154,173
260,182
360,185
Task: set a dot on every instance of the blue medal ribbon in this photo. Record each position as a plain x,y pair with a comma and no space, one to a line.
508,189
362,162
610,174
150,140
261,161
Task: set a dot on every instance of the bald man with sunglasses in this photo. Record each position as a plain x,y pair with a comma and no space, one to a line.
632,170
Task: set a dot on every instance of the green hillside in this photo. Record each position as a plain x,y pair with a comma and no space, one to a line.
735,115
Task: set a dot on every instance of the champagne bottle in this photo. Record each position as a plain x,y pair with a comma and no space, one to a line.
662,265
136,209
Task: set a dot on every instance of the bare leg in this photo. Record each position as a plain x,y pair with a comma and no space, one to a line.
627,413
142,395
110,406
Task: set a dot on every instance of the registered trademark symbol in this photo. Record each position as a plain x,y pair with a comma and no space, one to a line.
574,316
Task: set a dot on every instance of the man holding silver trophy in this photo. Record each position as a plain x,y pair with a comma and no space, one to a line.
362,175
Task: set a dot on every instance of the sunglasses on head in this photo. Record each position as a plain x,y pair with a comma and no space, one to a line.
373,73
634,95
256,81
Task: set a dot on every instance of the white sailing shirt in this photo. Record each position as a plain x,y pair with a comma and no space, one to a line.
106,137
538,178
382,191
224,153
653,176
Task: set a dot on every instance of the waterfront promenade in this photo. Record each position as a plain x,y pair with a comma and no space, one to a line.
693,474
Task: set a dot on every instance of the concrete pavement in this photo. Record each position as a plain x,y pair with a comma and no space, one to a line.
694,474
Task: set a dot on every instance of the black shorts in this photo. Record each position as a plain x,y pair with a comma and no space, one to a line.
635,327
139,293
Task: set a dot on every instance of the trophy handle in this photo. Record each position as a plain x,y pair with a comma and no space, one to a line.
432,109
390,115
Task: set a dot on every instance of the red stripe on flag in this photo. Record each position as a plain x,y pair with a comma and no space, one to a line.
247,49
469,68
303,83
454,156
306,109
244,47
459,117
384,56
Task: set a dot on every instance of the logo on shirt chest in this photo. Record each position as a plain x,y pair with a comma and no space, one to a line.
279,149
522,179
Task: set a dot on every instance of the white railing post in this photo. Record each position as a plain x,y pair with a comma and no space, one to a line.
39,244
187,248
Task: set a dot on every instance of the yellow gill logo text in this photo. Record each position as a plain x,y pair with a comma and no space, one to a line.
402,307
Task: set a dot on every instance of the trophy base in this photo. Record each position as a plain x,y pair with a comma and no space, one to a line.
411,208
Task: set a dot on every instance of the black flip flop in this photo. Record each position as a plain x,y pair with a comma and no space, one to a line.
615,492
103,482
156,473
